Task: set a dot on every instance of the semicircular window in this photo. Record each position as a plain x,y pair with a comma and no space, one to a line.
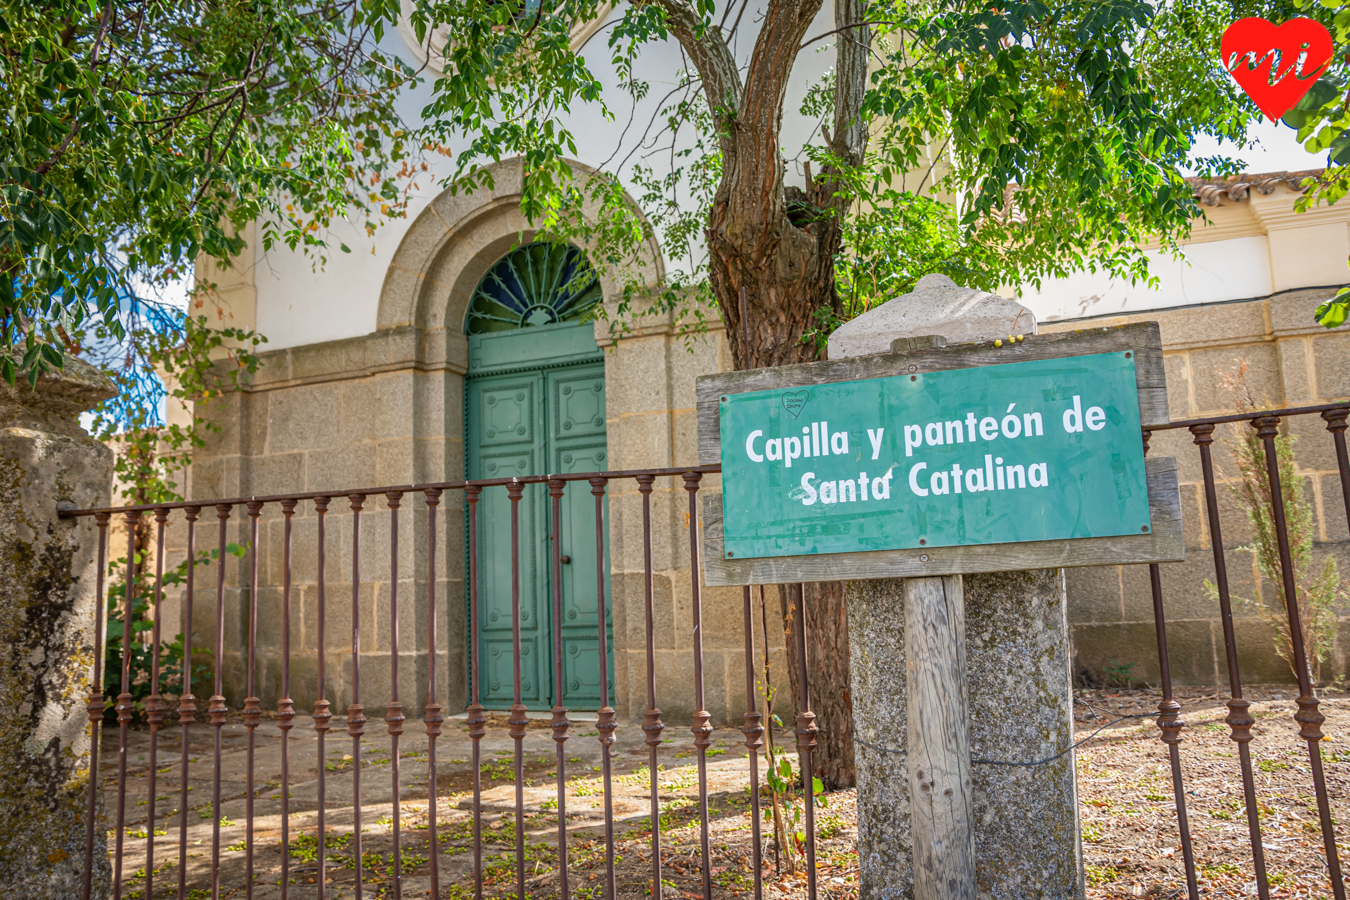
539,283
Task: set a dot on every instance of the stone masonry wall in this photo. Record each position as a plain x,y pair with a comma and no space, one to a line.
387,410
1292,362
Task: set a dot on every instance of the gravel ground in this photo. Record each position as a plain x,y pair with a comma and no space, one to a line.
1131,846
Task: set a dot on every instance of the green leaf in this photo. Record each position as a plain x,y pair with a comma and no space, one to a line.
1333,313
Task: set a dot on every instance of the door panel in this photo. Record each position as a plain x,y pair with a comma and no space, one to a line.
506,416
577,444
533,423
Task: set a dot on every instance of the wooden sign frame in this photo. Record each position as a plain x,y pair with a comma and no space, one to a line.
1164,543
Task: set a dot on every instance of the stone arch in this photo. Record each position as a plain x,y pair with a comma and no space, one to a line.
451,245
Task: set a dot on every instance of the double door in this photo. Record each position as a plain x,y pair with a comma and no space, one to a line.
546,421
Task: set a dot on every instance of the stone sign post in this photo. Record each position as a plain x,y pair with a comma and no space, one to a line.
47,621
946,463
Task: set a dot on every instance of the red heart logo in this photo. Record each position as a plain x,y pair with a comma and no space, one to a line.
1275,64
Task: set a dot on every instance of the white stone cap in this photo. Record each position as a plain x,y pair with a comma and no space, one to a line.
939,306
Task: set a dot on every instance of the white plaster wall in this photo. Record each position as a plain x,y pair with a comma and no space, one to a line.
1233,269
300,303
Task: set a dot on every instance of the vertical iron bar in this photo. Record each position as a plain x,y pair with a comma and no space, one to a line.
187,703
124,701
518,720
154,704
652,726
252,705
322,711
605,723
806,739
432,717
356,718
1239,720
1308,717
94,709
754,740
217,709
1169,721
1336,424
559,723
393,711
1171,724
476,721
285,706
771,754
702,727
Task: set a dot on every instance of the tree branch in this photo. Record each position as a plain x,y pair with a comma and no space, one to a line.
842,28
710,55
850,86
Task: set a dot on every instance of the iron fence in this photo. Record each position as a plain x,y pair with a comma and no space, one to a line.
1266,424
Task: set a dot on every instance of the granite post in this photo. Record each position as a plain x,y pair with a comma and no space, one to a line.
1017,662
47,599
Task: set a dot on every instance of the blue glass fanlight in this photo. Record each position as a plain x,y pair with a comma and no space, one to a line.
539,283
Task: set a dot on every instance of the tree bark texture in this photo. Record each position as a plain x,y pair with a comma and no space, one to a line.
827,667
785,267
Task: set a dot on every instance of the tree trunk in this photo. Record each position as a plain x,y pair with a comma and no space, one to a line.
827,669
783,264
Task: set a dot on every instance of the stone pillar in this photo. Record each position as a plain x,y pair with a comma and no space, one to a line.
47,585
1026,831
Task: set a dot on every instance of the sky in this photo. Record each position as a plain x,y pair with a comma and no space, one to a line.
1278,150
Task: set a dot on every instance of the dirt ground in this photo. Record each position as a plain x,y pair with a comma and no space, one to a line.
1131,847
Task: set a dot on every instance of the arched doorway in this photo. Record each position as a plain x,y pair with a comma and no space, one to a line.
534,403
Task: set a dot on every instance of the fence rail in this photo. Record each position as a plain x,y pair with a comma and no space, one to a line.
1266,423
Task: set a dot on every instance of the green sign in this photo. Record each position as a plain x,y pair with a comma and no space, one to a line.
1027,451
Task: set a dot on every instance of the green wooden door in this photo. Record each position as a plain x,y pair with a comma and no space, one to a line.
547,418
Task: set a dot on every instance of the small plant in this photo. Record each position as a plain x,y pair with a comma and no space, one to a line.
141,660
1318,591
1119,673
1099,875
497,770
829,826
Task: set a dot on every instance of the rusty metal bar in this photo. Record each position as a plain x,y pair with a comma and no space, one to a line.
322,708
1252,416
94,709
217,709
1239,720
1170,724
652,726
518,720
285,706
754,740
1169,720
768,714
1336,424
124,701
356,718
702,727
405,488
1308,717
187,703
558,722
605,721
252,705
475,719
432,717
154,705
806,739
393,711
